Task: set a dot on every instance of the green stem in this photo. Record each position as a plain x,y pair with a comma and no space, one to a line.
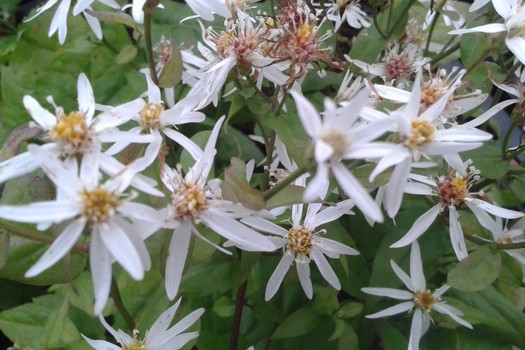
505,142
285,182
403,12
498,246
432,27
38,237
148,19
117,299
237,316
376,23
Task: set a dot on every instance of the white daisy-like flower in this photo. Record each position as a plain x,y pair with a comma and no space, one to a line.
418,299
80,132
514,234
159,337
452,191
154,119
192,204
397,66
207,9
348,10
82,202
513,13
338,136
59,21
422,133
450,14
302,243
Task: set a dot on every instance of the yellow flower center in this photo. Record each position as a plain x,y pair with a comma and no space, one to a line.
138,345
305,32
431,92
71,131
505,240
99,204
150,115
300,241
188,201
452,190
224,42
338,141
422,132
424,300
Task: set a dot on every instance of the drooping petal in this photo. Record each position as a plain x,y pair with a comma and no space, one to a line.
303,271
184,324
419,227
393,310
277,276
326,270
307,114
59,248
416,268
178,251
402,275
100,265
452,312
456,235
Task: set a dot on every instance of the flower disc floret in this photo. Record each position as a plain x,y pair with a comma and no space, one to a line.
398,67
422,131
424,300
338,141
188,201
138,345
150,115
452,190
99,204
71,132
300,240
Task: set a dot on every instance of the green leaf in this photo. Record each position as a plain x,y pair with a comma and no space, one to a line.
236,188
224,307
172,71
127,54
472,48
117,17
517,185
289,195
477,271
298,323
58,329
325,300
362,173
487,159
349,310
4,247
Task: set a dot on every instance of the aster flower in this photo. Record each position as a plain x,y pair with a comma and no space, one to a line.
422,133
154,119
513,13
418,299
79,132
83,203
206,9
303,243
452,190
159,337
59,21
339,136
397,65
348,10
193,203
514,234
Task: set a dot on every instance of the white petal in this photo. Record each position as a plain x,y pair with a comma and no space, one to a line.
416,268
190,146
303,271
402,275
277,276
307,114
86,99
487,28
100,344
119,115
59,248
153,90
100,265
393,310
516,44
317,187
122,249
326,270
419,227
37,212
396,187
452,312
389,292
16,166
162,323
331,247
42,116
235,231
353,188
456,235
140,211
264,225
495,210
81,5
178,251
416,329
184,324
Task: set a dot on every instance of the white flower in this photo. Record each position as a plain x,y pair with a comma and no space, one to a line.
348,10
513,13
154,119
452,191
502,234
192,204
303,243
82,202
422,133
59,22
418,299
80,132
159,337
338,136
206,9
